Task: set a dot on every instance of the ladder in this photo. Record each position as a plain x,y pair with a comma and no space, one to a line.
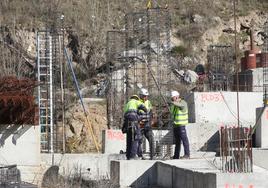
45,90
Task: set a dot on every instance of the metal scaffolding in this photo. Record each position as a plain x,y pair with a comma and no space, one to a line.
236,149
49,56
142,53
221,67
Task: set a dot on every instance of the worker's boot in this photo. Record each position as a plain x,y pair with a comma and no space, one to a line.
185,157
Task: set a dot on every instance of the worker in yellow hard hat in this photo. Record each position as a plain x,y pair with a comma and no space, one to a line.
131,125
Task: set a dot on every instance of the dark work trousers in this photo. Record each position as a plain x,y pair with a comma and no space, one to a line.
148,133
180,134
133,137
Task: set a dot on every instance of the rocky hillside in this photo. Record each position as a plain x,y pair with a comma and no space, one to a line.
196,24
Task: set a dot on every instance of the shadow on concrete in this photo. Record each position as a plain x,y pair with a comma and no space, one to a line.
16,130
147,179
213,144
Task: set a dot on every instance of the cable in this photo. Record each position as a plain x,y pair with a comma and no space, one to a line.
233,113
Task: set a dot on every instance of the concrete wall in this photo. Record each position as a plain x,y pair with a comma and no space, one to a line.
21,146
183,174
242,180
90,165
201,136
113,141
164,174
260,157
220,107
134,173
262,128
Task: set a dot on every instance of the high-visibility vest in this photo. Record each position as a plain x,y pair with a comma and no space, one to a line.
132,105
145,116
148,105
180,117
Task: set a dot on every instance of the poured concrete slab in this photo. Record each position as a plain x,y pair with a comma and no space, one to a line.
193,173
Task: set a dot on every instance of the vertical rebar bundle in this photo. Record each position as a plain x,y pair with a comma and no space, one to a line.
265,64
221,67
236,149
116,44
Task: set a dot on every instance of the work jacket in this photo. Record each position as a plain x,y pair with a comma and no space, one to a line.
179,114
146,116
131,109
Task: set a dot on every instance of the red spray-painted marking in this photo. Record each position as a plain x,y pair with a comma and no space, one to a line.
227,185
114,135
209,97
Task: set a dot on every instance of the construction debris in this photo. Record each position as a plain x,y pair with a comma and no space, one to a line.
10,176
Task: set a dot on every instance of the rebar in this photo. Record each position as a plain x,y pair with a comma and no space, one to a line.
236,149
265,65
221,67
141,50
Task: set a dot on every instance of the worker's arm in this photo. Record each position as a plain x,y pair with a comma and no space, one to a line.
142,107
182,105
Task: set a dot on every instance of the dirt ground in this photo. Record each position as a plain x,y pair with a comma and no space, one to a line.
79,139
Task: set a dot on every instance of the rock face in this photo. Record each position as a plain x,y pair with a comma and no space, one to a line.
78,136
222,32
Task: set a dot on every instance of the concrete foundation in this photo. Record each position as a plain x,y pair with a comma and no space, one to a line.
193,173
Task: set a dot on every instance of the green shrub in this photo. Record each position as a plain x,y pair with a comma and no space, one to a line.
180,51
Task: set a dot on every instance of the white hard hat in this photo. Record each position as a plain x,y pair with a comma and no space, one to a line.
175,93
144,92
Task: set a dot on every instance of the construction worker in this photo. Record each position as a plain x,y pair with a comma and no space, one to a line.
145,123
179,113
131,125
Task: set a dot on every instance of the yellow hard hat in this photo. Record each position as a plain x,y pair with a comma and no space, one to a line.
135,97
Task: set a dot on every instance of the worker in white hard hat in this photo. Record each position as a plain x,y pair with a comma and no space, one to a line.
131,125
145,123
179,113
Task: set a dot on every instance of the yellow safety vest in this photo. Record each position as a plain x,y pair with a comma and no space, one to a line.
180,117
132,105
